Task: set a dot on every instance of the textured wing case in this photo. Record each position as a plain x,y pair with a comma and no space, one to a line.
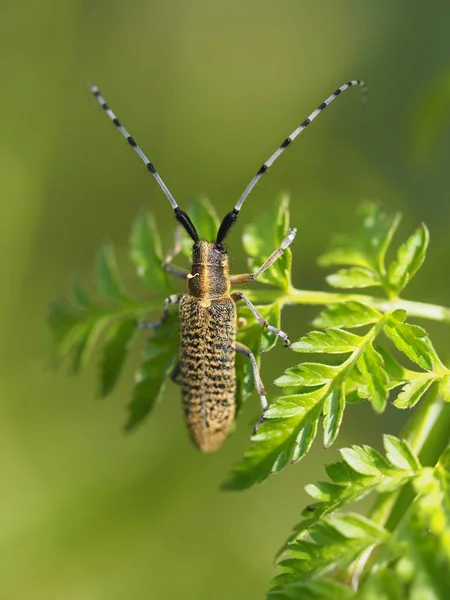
207,369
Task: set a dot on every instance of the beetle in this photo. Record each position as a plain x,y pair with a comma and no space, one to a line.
207,312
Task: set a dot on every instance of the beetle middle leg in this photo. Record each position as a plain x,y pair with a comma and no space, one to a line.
173,299
261,320
174,251
247,277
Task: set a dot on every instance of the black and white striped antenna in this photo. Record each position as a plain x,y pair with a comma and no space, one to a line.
232,216
181,216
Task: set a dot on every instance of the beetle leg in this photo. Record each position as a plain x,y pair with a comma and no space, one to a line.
241,349
261,320
174,251
246,277
174,299
175,375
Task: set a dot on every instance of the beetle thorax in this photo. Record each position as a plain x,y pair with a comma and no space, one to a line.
209,279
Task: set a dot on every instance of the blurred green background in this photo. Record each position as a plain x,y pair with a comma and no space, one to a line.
209,89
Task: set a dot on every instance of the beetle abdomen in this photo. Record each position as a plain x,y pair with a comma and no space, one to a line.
207,369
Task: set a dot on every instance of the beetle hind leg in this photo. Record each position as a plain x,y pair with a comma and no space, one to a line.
175,375
245,351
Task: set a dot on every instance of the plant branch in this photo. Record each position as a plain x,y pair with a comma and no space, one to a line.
295,296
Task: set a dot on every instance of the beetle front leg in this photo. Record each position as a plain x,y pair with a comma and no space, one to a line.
174,251
174,299
247,277
261,320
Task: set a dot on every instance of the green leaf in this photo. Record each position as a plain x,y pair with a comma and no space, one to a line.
410,257
347,314
362,470
307,374
399,454
413,391
333,410
397,376
424,534
379,231
80,297
355,526
331,341
319,589
160,357
412,340
62,320
286,434
354,384
290,423
107,275
393,368
381,584
74,332
114,353
147,256
336,542
204,217
366,248
364,460
372,368
82,342
263,236
431,567
355,277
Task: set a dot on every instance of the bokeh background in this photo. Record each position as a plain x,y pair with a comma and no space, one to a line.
208,89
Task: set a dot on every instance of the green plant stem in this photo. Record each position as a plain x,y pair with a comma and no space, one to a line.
295,296
427,432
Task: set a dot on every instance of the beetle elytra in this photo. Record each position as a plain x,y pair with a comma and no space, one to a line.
206,368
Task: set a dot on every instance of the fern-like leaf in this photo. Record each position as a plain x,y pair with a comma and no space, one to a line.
361,471
365,253
159,361
78,325
265,235
146,253
328,545
291,423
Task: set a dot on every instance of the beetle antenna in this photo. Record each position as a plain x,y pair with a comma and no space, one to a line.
181,216
232,216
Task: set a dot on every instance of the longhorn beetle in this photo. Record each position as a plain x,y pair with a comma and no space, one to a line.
206,369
